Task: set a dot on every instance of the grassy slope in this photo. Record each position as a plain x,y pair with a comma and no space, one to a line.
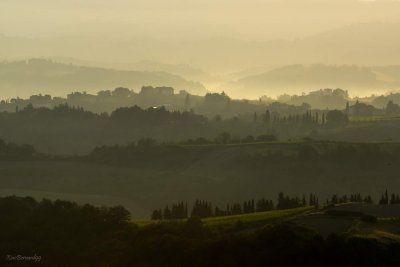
385,230
258,217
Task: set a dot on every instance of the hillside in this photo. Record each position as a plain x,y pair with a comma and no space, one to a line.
146,181
302,78
366,44
339,219
47,77
183,70
85,235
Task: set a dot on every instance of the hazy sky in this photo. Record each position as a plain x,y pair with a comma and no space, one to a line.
183,19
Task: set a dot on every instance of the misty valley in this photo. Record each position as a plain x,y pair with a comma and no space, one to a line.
199,133
212,168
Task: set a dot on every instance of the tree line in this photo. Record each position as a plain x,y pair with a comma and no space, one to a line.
386,200
204,209
81,130
355,198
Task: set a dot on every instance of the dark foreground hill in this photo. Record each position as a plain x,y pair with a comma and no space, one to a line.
63,233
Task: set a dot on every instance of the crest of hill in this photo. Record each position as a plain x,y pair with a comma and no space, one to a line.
300,78
45,76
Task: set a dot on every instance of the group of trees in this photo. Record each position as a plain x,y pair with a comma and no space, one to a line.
226,138
336,118
81,130
138,116
306,119
249,206
66,129
286,202
177,211
12,151
385,200
61,231
203,209
61,111
72,130
352,198
357,198
392,108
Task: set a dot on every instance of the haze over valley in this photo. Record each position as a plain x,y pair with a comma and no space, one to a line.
235,54
200,133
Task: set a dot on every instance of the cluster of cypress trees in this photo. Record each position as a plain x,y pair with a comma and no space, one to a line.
352,198
203,209
384,200
177,211
264,205
234,209
306,118
394,199
312,200
286,202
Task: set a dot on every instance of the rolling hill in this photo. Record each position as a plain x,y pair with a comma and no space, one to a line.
369,44
300,78
47,77
219,174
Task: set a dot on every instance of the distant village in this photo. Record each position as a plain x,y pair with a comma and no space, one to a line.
211,104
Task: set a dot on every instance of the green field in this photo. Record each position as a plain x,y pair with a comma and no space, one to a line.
385,229
259,217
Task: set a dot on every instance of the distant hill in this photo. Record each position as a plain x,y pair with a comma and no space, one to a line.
362,44
23,78
303,78
184,70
